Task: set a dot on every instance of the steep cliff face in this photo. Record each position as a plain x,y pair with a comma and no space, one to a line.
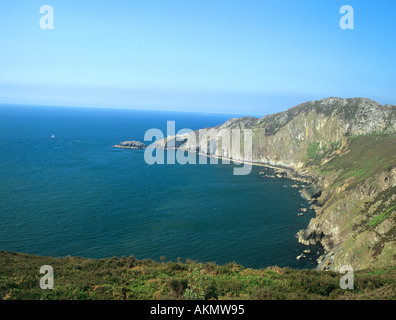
287,138
347,147
356,211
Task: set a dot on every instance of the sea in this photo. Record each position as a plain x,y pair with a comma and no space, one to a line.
66,191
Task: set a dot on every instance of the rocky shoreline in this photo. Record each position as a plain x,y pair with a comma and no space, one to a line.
343,151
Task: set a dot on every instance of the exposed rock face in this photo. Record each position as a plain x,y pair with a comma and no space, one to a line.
355,200
282,139
131,145
357,225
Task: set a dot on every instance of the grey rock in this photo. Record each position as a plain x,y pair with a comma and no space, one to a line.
131,145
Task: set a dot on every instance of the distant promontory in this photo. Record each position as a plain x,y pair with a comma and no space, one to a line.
131,145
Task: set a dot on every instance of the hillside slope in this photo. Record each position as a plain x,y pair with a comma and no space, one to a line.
127,278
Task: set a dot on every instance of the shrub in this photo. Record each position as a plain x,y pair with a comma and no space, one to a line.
177,287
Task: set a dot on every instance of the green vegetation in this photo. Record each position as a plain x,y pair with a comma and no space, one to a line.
128,278
312,149
367,156
378,219
315,154
372,133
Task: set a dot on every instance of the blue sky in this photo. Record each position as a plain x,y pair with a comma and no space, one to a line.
226,56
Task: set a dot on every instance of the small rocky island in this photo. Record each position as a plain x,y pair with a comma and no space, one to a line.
131,145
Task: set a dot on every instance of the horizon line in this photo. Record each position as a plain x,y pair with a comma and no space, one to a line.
107,107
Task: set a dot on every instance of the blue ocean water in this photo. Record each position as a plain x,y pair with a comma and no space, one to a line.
76,195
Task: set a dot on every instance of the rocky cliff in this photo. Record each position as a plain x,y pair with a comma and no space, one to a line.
130,145
346,148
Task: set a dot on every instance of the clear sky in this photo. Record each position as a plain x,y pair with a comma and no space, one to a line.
250,57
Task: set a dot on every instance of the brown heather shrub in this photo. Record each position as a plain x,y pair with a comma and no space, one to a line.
177,287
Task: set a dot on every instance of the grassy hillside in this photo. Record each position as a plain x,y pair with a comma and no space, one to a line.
356,216
127,278
367,156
